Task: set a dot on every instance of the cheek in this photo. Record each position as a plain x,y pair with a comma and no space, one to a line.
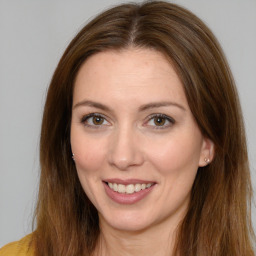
176,154
89,152
89,157
176,162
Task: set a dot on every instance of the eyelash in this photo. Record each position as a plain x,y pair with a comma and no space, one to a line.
87,117
165,117
151,117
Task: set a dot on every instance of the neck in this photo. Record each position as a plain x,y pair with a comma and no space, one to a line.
154,241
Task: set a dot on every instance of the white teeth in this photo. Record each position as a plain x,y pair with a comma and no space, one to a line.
128,189
138,187
121,188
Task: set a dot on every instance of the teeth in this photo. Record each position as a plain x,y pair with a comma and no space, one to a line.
121,188
128,189
137,187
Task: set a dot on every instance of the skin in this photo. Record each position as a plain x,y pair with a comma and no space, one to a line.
129,144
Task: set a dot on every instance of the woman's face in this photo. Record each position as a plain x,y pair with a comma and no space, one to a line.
136,145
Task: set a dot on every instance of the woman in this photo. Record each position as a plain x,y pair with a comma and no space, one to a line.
142,143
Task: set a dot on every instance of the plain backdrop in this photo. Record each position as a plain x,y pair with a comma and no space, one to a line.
33,36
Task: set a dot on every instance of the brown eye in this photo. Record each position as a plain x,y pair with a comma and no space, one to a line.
97,120
159,121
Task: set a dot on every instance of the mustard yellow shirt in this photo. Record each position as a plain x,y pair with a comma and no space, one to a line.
18,248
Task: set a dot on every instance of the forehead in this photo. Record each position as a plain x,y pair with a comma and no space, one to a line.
129,74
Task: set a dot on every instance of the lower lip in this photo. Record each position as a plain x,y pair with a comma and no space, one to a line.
127,198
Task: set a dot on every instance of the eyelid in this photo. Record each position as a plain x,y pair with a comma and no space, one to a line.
86,117
168,118
150,117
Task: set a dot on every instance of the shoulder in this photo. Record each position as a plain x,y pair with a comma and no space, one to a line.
22,247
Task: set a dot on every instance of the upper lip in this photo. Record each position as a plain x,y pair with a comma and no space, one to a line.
128,181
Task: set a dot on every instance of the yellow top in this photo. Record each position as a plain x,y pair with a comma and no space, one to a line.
18,248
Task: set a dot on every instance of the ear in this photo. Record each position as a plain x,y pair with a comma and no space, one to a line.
207,152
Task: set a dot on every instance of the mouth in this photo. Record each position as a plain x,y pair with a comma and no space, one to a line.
128,191
130,188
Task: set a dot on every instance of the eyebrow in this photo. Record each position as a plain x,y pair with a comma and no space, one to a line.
141,108
160,104
92,104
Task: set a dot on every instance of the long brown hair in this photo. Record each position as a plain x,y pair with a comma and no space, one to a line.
218,219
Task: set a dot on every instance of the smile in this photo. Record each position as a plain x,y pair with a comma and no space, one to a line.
128,189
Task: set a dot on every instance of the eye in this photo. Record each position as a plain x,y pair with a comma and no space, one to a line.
94,120
160,121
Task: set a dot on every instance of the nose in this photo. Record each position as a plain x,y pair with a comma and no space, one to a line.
125,149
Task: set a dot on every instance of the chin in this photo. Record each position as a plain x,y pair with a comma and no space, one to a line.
130,222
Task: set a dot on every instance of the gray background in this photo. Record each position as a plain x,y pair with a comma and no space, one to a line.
33,36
